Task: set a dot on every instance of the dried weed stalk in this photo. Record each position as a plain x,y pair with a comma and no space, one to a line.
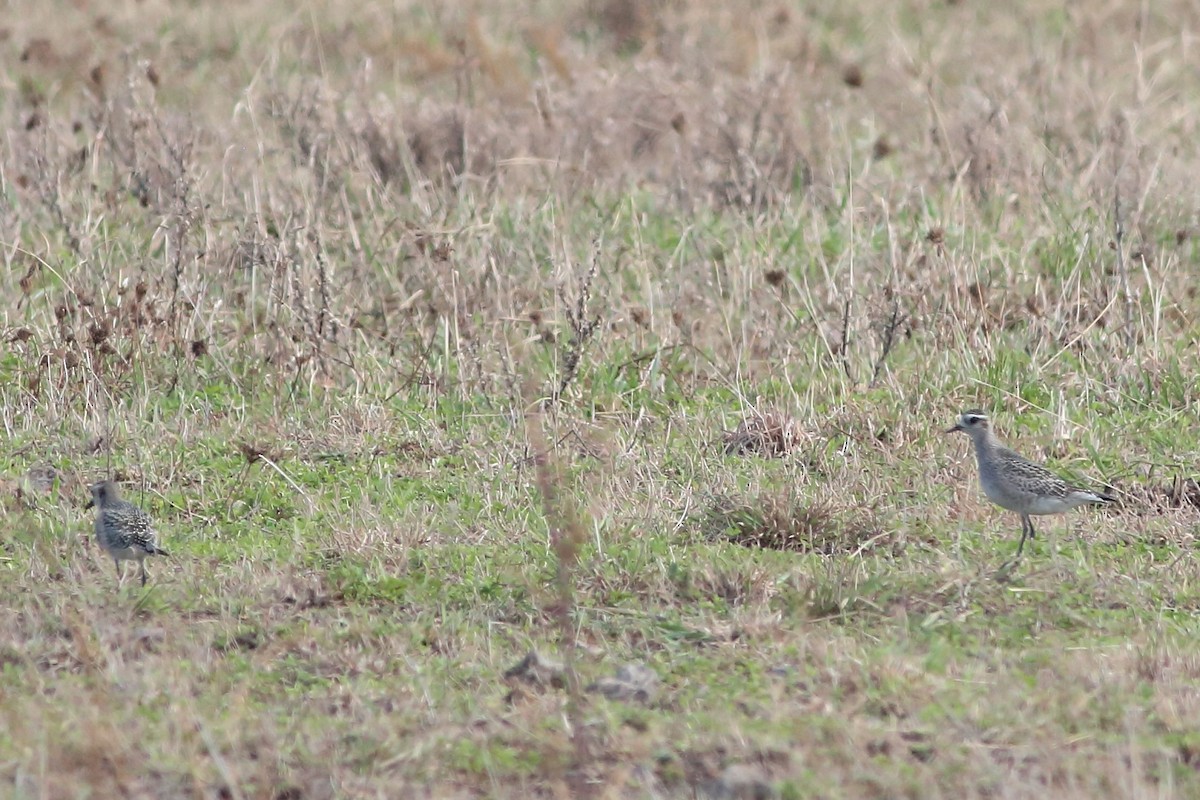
582,325
567,536
845,344
1122,267
887,329
887,338
49,188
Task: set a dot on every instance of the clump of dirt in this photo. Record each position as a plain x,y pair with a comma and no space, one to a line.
634,682
533,674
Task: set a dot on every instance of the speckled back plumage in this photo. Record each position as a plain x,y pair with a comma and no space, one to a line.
122,525
1015,483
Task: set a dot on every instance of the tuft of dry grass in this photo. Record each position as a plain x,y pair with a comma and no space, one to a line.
783,521
768,433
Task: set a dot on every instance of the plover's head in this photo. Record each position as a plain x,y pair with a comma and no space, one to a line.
103,493
971,422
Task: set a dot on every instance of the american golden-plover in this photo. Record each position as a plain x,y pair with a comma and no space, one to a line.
124,530
1016,483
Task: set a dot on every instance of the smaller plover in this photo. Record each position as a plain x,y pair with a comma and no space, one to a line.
123,530
1016,483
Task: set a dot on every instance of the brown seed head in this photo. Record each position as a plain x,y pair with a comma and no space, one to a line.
99,331
250,452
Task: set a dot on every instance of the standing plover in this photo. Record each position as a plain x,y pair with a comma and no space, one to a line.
1016,483
124,530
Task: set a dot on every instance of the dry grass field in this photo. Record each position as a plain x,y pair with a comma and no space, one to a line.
546,399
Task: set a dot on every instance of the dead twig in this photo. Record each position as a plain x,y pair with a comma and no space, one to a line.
846,341
894,322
